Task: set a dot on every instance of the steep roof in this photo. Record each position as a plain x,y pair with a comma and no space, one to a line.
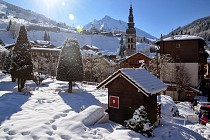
140,78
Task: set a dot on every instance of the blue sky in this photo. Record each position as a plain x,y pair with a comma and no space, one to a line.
152,16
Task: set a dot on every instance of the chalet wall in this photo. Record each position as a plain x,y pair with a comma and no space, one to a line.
129,100
181,50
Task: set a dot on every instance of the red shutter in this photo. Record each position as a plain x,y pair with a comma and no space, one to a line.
114,101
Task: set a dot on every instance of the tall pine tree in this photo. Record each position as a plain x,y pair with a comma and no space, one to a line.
45,36
70,67
22,66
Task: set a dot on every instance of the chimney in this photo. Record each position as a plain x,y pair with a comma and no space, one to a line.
161,37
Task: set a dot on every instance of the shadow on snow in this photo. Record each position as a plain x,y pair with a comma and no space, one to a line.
6,85
11,103
77,100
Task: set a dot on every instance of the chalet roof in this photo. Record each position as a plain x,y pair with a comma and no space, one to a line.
181,37
140,78
134,55
91,47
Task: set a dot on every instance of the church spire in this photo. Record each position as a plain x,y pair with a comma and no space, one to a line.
130,18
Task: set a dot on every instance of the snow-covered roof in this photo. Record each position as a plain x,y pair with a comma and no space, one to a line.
182,37
140,78
42,42
45,49
92,47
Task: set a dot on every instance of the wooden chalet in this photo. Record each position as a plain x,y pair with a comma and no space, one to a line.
128,89
189,51
134,61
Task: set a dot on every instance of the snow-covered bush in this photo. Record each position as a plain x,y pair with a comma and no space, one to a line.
140,122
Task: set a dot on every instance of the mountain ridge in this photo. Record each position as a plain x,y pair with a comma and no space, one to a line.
199,27
110,24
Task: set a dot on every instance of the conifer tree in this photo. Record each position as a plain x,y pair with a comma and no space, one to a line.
48,37
70,67
9,26
45,36
7,63
22,66
140,122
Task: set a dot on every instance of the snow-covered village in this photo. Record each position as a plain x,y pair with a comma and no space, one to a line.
108,79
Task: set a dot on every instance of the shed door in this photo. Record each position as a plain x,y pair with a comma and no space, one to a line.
114,101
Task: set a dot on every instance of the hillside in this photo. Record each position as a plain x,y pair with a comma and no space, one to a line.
28,15
37,24
109,24
199,27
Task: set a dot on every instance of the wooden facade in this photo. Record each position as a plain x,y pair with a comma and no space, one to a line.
124,98
188,51
134,61
184,50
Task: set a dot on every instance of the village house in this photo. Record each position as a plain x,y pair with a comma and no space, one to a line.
187,51
134,61
44,59
128,89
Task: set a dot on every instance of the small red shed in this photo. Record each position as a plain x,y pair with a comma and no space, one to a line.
128,89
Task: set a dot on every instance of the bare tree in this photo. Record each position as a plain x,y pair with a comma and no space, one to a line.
89,62
182,78
159,66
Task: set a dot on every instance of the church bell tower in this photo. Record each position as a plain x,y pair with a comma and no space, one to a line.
130,34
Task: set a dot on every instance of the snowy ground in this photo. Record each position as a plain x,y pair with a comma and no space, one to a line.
47,112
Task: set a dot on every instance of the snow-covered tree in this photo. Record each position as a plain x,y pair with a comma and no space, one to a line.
7,63
70,67
22,66
140,122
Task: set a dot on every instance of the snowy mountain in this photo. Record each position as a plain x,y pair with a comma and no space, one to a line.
109,24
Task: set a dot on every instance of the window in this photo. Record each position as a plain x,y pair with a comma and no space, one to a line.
114,101
128,46
131,40
131,46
